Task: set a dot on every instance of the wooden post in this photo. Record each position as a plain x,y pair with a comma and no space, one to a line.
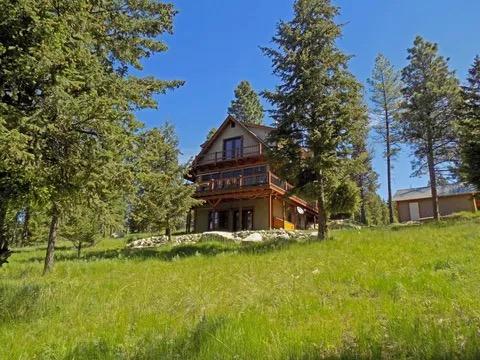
194,220
189,222
240,210
270,215
283,209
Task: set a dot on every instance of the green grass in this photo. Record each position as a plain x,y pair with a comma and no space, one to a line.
401,292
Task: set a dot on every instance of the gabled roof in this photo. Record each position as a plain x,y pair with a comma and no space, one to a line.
206,145
425,192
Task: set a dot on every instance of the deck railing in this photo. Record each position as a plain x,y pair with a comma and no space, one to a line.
232,183
232,154
242,182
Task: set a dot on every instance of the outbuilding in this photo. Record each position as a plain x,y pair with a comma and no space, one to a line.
416,204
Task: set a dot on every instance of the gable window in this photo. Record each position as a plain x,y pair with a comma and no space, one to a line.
232,148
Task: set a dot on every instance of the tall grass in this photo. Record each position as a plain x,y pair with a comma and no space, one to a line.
407,292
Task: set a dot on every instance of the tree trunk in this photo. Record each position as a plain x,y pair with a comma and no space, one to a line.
322,214
26,226
363,204
188,226
433,183
389,169
4,251
52,238
168,231
79,249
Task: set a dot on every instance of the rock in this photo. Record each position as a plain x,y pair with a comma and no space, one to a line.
186,238
253,238
148,242
217,236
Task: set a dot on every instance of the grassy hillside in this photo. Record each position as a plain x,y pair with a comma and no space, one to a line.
404,292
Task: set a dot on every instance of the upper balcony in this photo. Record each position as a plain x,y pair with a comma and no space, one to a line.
233,155
235,182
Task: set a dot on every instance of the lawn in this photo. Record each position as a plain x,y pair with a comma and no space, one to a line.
406,292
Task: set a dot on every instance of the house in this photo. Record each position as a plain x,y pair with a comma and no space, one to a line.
416,204
239,188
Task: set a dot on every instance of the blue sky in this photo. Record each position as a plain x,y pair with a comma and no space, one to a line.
216,44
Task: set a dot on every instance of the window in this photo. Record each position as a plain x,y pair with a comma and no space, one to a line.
255,170
255,176
231,174
218,220
208,177
247,219
232,148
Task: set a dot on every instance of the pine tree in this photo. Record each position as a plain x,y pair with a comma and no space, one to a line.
211,133
162,196
431,97
246,106
81,227
79,93
316,105
470,126
386,90
19,82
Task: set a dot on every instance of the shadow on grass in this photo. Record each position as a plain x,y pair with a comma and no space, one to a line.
186,345
172,253
204,340
43,247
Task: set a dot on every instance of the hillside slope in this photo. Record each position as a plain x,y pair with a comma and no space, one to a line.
405,292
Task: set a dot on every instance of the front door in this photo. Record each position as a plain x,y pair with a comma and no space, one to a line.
414,211
247,219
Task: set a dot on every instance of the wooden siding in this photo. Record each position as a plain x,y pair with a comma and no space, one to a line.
448,205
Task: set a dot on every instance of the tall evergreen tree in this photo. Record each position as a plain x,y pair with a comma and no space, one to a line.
80,94
20,82
246,106
211,133
386,96
431,97
316,105
162,197
470,126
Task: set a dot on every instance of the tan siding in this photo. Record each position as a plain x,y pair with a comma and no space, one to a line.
260,132
425,207
452,204
448,205
201,219
277,208
229,132
403,211
260,213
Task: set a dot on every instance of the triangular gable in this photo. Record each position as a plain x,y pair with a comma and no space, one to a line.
207,145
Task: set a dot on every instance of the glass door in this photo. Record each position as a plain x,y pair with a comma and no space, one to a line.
247,219
232,148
